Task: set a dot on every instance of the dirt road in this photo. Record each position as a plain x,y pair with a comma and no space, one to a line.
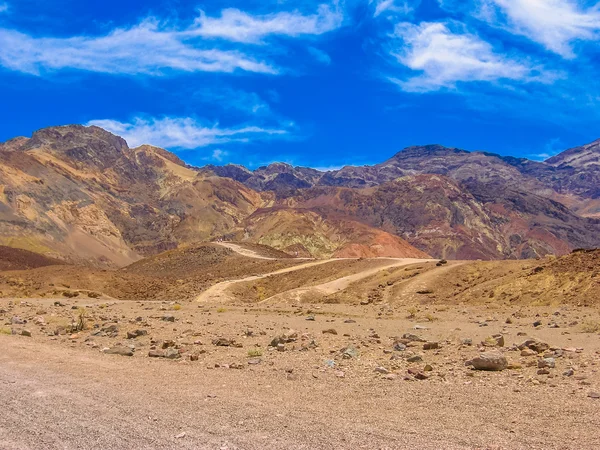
217,293
340,284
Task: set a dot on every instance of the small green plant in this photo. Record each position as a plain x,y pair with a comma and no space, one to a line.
5,331
412,312
176,307
254,353
590,326
221,310
430,317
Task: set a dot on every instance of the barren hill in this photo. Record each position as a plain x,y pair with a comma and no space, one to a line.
82,195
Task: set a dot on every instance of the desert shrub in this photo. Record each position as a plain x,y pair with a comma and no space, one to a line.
412,312
590,326
254,352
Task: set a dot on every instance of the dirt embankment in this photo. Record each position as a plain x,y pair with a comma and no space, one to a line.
176,275
19,259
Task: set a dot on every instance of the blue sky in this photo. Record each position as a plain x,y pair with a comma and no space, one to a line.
314,83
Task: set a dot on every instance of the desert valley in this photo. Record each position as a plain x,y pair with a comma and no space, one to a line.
439,299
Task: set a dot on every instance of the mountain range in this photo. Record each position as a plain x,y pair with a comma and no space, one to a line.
81,194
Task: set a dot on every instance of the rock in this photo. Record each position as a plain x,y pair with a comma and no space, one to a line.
534,344
428,368
222,342
412,337
330,331
430,345
467,341
349,352
537,323
417,374
136,333
415,358
493,361
168,344
110,330
168,318
180,435
349,321
340,373
284,338
156,354
549,363
595,395
119,350
280,347
172,353
311,318
543,372
194,357
391,376
568,373
399,346
16,320
26,333
528,352
254,361
499,340
382,370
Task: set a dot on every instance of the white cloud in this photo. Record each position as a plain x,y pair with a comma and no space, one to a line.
184,133
556,24
444,57
144,49
396,6
152,48
320,55
238,26
219,154
3,7
226,98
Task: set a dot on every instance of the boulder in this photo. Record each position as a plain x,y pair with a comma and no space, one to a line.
493,361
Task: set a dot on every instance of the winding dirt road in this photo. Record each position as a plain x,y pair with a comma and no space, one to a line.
218,292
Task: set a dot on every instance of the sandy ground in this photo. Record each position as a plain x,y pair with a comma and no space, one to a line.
63,392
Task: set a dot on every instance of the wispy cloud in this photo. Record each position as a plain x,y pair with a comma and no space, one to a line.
320,55
238,26
555,24
219,155
227,99
3,7
153,48
183,133
394,6
144,49
445,54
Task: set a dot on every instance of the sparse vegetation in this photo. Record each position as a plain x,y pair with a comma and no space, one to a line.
176,307
255,353
78,323
590,326
221,310
430,317
5,330
412,312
